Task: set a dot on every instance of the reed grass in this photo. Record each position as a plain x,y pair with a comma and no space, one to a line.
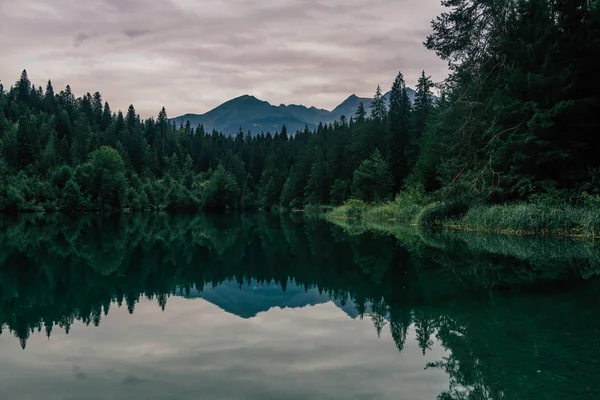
528,218
517,218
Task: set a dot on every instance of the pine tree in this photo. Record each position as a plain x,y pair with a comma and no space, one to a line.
423,103
283,136
372,179
289,192
71,197
106,118
378,108
435,145
49,156
339,192
162,124
399,119
67,100
49,98
269,195
131,118
26,142
317,188
81,140
249,197
23,88
97,108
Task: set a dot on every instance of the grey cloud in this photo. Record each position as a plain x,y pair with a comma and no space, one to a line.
80,38
191,55
135,33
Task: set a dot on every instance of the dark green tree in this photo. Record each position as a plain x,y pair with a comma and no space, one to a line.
23,88
372,180
27,146
361,113
71,197
399,120
220,192
378,107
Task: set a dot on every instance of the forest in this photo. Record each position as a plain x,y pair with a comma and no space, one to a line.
513,129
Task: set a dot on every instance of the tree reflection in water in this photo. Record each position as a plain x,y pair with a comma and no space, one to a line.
519,315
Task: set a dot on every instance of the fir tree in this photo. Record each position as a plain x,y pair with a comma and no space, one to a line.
423,103
399,120
372,180
23,88
378,108
26,142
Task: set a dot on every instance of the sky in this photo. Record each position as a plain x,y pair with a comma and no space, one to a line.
192,55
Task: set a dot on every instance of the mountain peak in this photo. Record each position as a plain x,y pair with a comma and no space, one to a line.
245,97
250,113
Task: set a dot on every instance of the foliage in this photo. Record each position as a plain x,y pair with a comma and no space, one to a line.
516,121
339,192
220,192
435,214
534,218
399,120
372,180
352,209
520,117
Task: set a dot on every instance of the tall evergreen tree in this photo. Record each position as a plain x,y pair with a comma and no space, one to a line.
81,140
399,120
162,124
26,142
423,103
378,108
23,88
97,108
361,113
106,118
372,180
49,98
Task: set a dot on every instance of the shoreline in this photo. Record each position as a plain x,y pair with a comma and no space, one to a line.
557,221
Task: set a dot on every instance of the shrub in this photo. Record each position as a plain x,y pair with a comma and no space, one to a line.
354,208
412,195
437,213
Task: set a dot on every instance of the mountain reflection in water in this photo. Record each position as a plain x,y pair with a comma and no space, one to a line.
271,306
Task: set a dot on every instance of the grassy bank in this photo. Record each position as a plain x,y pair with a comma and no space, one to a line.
534,218
539,255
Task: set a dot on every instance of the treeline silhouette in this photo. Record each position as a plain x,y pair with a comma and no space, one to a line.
516,120
55,271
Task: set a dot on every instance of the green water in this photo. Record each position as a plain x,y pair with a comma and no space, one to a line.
271,307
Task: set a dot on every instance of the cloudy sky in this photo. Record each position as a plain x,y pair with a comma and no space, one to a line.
191,55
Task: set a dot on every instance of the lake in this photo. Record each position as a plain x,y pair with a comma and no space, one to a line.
265,306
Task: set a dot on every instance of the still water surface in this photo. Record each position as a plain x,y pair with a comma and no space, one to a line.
270,307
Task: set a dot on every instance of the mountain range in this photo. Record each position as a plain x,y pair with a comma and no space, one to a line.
255,115
250,299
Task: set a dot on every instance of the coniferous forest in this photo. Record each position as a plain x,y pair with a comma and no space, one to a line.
514,128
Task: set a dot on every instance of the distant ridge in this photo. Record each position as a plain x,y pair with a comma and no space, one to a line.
250,299
255,115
